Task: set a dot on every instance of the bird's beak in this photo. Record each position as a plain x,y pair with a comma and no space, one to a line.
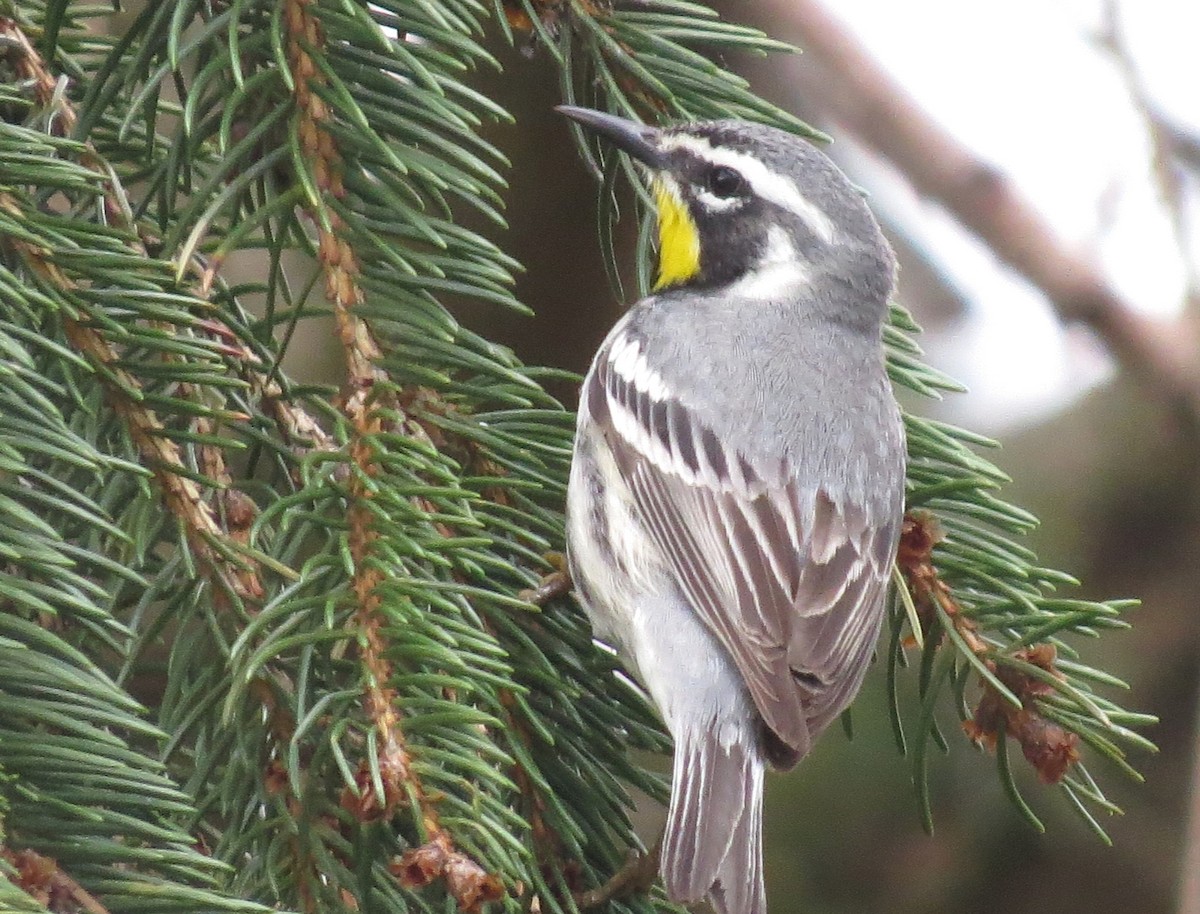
638,140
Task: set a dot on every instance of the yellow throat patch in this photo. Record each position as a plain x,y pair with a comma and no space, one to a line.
678,240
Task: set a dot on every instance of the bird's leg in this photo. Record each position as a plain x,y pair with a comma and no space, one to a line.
637,875
556,584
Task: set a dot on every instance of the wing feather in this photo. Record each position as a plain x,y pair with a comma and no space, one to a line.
789,578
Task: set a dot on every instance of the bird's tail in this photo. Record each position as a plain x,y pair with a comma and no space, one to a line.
713,840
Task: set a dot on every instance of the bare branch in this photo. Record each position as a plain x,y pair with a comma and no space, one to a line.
853,89
1165,159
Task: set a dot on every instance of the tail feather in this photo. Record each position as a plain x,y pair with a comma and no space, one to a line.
739,887
713,839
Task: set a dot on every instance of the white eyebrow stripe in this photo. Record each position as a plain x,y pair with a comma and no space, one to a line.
769,185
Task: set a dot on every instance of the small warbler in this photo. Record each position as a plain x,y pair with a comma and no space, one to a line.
737,486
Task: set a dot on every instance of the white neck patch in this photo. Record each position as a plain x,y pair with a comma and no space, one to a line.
779,270
770,185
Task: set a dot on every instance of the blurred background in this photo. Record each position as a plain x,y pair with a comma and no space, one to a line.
1085,113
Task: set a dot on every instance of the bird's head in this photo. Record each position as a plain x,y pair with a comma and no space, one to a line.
743,203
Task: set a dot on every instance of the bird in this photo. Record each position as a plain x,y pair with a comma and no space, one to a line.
736,488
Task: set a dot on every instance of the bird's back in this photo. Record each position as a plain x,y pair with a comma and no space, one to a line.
798,395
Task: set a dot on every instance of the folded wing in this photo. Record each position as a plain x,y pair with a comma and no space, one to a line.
790,578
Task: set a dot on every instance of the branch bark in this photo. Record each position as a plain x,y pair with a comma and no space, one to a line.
845,82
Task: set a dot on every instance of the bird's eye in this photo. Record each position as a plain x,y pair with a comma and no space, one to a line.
724,182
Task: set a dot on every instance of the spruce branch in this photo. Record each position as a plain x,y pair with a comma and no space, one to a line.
989,613
59,115
1007,705
392,713
182,494
365,407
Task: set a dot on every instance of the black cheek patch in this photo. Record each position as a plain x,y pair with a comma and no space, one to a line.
731,242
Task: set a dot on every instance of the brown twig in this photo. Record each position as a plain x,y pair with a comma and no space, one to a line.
637,875
438,859
554,585
340,268
844,81
364,404
183,497
29,65
1049,748
42,879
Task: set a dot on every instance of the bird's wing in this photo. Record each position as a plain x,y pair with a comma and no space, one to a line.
789,578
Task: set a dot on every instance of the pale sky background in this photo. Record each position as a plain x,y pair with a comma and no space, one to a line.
1026,85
